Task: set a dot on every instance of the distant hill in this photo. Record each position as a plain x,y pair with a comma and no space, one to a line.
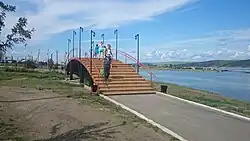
163,63
218,63
173,63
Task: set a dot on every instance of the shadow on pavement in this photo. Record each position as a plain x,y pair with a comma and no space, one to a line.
95,131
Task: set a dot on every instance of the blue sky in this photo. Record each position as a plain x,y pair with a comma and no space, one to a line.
170,30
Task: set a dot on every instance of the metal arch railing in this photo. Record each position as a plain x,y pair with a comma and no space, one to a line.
151,74
98,70
68,54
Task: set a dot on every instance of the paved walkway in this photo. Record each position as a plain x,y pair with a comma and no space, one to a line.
189,121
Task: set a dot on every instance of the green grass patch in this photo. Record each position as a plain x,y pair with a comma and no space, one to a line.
207,98
8,131
9,73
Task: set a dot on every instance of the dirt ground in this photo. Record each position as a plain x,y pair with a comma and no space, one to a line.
47,116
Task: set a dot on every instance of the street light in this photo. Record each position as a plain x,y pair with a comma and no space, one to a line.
74,33
116,42
92,34
102,35
80,38
73,45
69,41
80,68
138,44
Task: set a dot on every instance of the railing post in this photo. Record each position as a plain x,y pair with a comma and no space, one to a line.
138,58
116,43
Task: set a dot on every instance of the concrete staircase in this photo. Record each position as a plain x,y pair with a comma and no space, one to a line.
123,79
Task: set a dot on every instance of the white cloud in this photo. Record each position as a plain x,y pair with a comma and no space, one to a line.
218,39
196,57
54,16
226,44
238,54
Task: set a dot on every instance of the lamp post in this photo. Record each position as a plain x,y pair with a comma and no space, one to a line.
70,67
80,40
69,41
102,35
57,59
137,38
73,43
116,42
92,34
80,55
47,59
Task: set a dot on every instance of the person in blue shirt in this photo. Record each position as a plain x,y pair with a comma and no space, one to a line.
96,51
101,50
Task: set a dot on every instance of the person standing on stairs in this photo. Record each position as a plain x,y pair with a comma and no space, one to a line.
107,63
109,53
101,50
96,53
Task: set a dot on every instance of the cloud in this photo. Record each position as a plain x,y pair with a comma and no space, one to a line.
225,44
50,17
218,38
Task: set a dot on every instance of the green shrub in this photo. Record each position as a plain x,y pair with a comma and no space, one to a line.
9,69
18,69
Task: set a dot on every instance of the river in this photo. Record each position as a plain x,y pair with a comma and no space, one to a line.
235,84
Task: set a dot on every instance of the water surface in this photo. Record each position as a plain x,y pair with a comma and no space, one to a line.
235,84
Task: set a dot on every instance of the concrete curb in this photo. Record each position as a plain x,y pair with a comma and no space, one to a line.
164,129
207,107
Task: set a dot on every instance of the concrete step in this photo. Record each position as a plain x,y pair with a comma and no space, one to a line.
128,92
114,69
128,82
124,85
126,89
101,63
117,76
120,73
121,79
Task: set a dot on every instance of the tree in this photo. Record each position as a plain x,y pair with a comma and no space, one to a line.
170,65
19,33
50,63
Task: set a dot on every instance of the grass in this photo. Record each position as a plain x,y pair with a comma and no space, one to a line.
52,81
8,131
207,98
26,78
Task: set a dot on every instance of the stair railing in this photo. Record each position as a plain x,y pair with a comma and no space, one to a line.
126,55
98,70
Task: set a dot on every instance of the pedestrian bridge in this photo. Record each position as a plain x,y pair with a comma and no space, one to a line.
123,80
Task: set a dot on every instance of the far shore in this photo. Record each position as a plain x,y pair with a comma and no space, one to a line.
206,98
172,69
